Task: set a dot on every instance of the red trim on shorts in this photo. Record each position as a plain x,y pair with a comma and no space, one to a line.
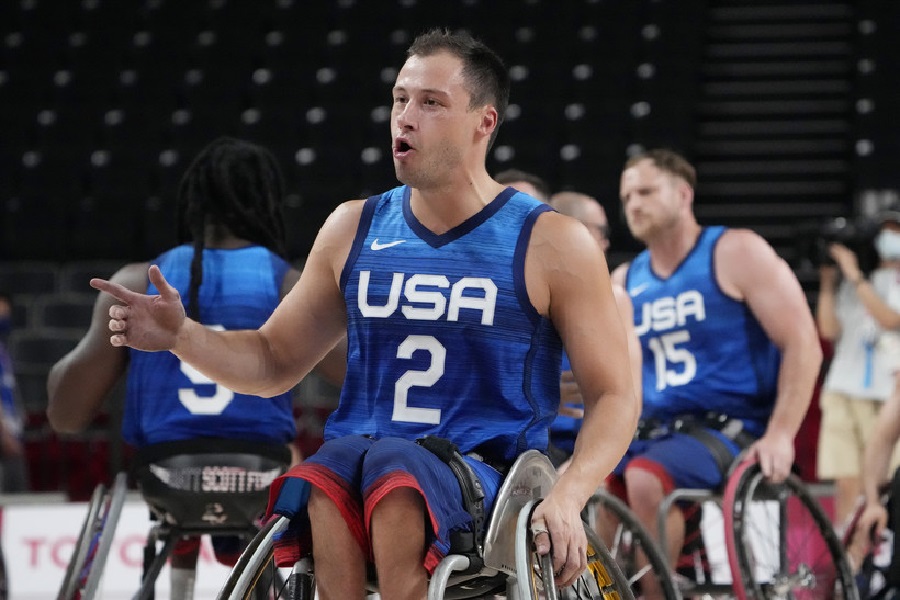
335,488
651,466
385,485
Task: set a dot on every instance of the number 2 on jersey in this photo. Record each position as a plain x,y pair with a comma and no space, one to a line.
410,379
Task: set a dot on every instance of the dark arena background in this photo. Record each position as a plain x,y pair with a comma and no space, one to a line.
789,109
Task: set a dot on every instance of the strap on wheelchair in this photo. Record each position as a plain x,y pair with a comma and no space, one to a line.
733,429
472,493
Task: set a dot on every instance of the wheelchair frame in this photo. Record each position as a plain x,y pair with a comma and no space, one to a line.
85,569
510,566
746,489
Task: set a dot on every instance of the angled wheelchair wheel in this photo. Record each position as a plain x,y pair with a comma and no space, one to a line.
633,549
256,577
82,543
780,542
85,569
601,580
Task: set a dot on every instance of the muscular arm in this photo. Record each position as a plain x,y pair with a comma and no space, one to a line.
307,324
876,462
748,269
333,367
568,281
635,357
79,382
880,446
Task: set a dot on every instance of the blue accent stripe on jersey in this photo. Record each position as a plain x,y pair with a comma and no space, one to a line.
519,260
361,230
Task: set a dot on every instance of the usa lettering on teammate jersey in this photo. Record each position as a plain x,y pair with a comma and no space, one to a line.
670,312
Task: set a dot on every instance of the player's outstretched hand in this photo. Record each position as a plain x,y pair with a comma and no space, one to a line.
142,321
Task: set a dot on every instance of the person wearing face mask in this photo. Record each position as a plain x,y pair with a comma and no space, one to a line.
861,316
13,472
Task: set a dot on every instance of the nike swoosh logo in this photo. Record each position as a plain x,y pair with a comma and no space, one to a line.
638,289
376,246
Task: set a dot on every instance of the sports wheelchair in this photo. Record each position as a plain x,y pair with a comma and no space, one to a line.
507,567
778,542
193,487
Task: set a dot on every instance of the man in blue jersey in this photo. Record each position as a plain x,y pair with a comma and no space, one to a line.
230,268
456,294
730,349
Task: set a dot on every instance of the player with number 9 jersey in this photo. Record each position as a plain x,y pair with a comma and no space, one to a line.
168,400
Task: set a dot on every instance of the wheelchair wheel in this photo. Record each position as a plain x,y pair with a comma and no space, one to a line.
82,543
255,576
601,580
630,540
780,542
85,569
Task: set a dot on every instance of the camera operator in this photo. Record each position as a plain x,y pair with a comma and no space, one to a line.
861,316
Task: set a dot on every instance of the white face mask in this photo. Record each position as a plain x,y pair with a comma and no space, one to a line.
888,245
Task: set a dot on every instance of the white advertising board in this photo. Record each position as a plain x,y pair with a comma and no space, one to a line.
38,541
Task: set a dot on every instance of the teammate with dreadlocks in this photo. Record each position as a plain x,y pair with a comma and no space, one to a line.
230,270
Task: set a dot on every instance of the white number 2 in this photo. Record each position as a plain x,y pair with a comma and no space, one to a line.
203,405
402,410
665,353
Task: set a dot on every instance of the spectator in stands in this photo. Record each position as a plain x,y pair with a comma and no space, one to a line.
529,183
457,294
730,349
860,315
230,270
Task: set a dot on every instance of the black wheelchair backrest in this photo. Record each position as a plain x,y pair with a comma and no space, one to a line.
209,483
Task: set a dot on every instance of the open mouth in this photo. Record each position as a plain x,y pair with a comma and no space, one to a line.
401,147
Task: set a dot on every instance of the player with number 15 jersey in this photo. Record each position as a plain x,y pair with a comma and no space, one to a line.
703,351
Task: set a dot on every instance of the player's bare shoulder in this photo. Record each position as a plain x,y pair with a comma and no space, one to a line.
743,260
559,235
740,246
337,234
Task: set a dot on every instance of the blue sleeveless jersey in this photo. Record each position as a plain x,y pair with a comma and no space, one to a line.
702,350
443,339
168,400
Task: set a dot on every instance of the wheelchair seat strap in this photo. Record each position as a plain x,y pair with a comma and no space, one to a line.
469,484
717,448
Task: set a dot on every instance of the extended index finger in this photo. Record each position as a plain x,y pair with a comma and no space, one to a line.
116,290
